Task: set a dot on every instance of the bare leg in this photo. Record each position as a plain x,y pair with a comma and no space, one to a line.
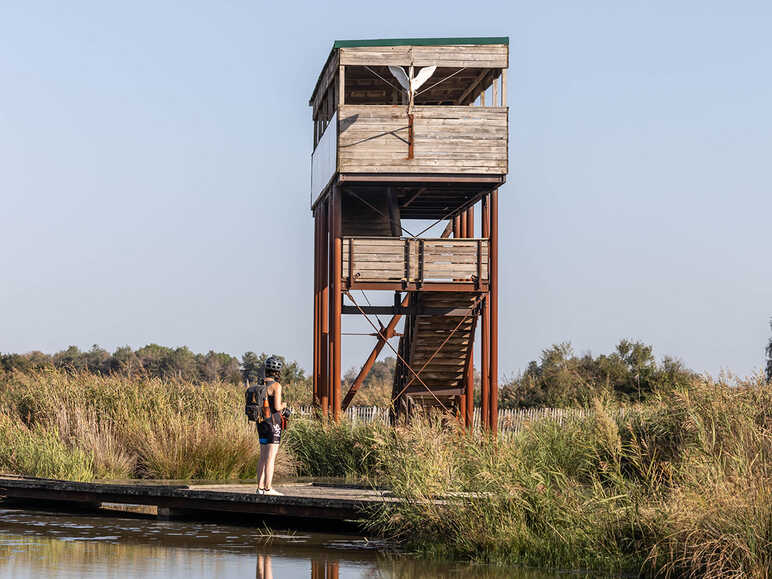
261,464
272,452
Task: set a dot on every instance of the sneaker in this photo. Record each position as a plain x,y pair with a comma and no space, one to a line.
260,491
273,492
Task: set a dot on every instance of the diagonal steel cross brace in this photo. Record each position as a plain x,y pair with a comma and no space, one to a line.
399,357
382,337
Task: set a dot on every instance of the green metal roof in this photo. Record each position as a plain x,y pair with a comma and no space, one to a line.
421,41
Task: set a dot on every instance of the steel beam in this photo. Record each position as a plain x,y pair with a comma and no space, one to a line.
420,178
463,232
469,387
317,285
485,338
324,346
493,276
405,311
455,286
458,232
336,298
368,365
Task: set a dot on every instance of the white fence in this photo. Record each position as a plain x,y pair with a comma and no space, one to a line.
510,420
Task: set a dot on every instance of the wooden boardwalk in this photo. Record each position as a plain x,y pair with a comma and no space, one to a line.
308,501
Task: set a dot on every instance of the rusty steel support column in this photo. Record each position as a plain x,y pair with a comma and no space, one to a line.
469,389
462,403
333,570
493,284
485,338
315,397
324,303
336,255
368,365
457,233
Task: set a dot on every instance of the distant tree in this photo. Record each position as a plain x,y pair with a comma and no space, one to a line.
154,359
218,366
125,361
377,385
11,362
24,362
251,368
291,372
181,363
97,360
38,359
559,378
71,359
641,368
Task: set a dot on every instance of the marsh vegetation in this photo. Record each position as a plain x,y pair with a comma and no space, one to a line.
680,484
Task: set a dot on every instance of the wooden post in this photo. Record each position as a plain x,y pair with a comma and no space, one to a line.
504,87
485,342
341,85
493,284
336,297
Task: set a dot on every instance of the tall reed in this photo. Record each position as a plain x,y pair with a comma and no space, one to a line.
117,427
679,486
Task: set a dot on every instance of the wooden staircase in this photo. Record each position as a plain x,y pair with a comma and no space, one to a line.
438,349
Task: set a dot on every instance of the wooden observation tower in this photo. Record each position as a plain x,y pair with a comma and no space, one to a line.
410,129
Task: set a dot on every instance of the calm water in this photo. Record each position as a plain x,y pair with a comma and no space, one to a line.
44,544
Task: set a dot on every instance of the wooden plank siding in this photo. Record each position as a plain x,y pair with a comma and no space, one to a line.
485,56
448,139
414,260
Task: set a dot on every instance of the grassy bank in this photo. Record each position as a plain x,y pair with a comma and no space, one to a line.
83,426
681,485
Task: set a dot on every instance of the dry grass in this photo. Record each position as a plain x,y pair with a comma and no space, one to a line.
124,428
678,486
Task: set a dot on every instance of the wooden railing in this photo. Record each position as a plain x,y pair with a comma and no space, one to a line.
372,259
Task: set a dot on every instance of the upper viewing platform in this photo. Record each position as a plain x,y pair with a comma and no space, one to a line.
423,110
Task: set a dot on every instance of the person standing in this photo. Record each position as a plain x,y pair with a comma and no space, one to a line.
269,429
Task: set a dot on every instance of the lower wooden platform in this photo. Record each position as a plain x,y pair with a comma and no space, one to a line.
300,500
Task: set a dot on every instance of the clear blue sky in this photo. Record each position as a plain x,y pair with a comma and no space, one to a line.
154,173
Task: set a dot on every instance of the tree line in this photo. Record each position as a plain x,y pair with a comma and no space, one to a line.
154,361
558,378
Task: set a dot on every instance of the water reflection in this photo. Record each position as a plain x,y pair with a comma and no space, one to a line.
35,544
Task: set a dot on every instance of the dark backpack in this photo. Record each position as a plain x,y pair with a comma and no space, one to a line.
255,399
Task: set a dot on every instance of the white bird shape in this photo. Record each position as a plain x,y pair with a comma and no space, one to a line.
411,85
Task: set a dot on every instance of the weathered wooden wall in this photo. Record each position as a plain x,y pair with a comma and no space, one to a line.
448,139
461,55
